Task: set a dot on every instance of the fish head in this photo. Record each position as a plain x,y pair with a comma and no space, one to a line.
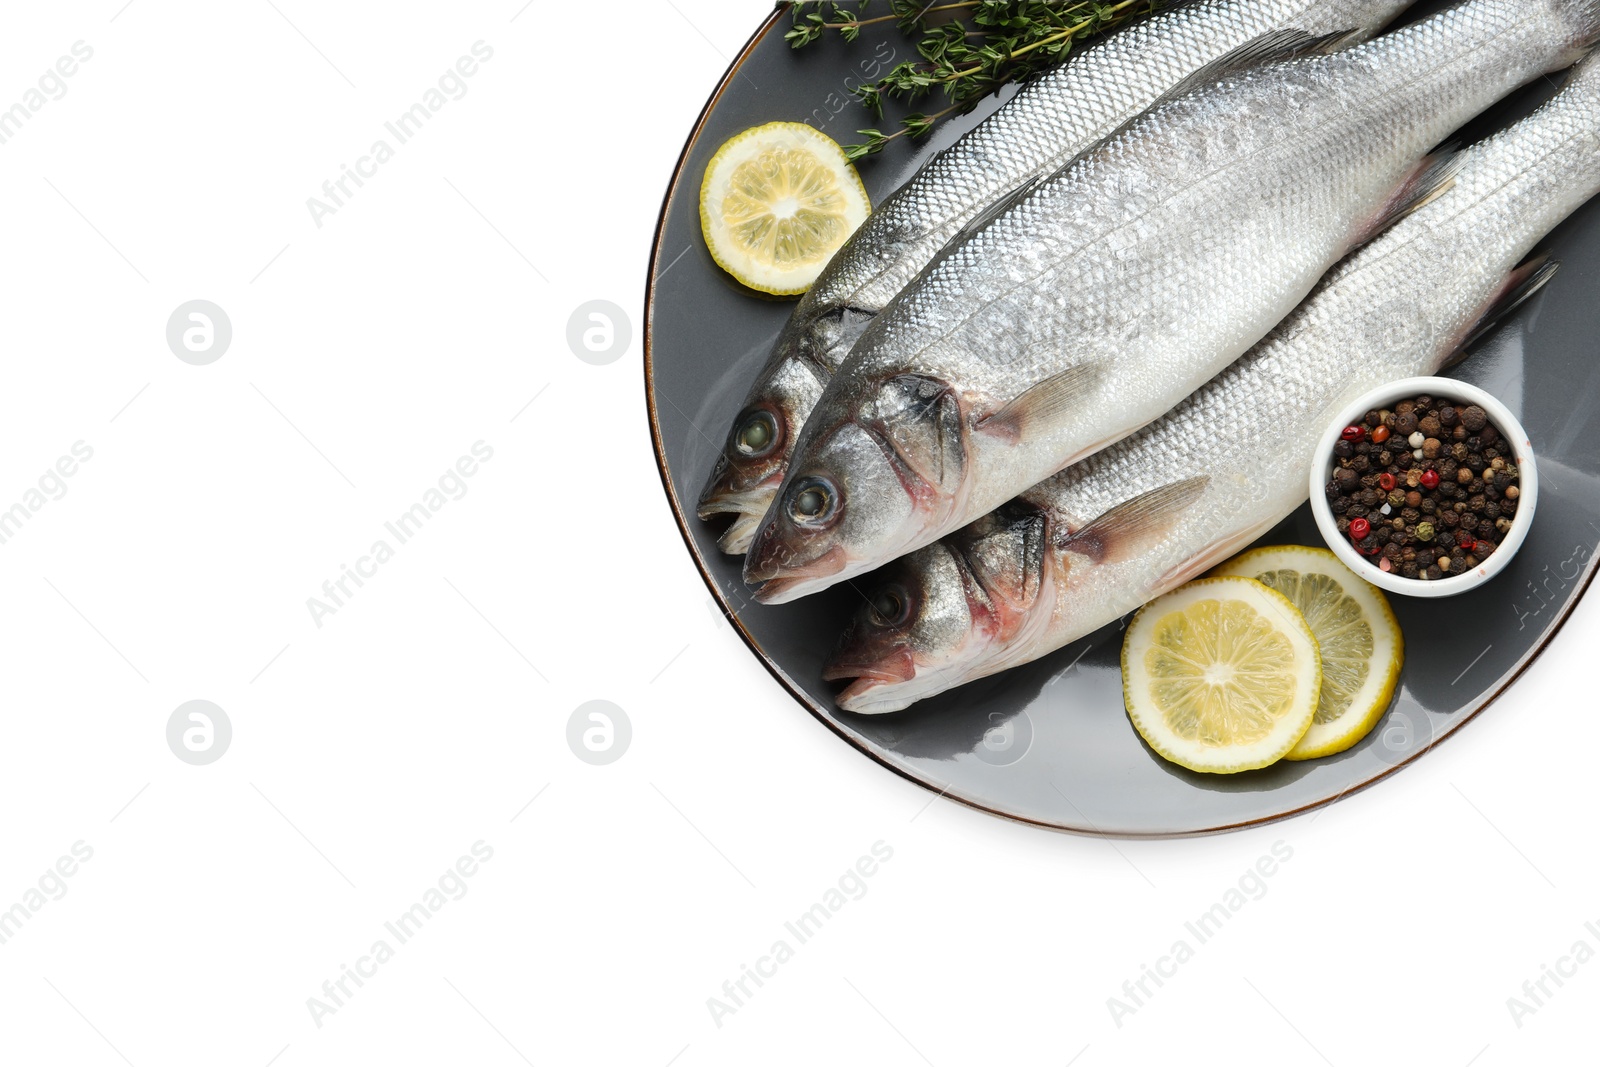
958,609
914,627
755,455
879,466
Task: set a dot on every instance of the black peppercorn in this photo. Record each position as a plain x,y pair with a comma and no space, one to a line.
1418,510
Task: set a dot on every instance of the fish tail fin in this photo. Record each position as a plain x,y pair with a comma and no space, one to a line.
1434,176
1520,286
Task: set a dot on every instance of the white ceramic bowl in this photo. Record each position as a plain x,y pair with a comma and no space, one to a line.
1387,396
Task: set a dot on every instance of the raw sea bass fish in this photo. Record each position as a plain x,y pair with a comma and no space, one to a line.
1124,526
1113,290
1035,133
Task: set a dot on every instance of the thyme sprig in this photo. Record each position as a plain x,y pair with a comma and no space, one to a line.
966,50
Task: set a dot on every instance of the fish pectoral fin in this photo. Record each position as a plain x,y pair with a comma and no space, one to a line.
1434,176
1134,525
1519,287
1042,401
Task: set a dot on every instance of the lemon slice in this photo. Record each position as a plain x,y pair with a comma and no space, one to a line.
1221,675
1359,639
776,203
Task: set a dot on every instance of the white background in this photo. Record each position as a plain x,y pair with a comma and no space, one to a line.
371,752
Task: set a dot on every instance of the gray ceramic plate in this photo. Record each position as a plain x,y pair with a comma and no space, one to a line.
1049,743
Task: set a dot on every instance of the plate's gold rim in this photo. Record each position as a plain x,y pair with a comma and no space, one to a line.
805,700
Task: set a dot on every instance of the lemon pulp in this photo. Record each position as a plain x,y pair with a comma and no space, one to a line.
776,203
1359,639
1221,675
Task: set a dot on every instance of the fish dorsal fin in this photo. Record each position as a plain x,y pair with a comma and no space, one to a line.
1042,401
1006,202
1520,286
996,209
1134,525
1433,176
1009,561
1274,47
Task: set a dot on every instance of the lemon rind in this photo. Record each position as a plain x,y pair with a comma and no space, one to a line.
1247,758
1344,733
708,226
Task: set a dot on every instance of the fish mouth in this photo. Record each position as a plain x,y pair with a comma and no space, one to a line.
736,539
871,681
747,506
873,693
891,684
893,668
796,581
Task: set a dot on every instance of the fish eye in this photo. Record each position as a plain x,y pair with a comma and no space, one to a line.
757,434
813,500
891,606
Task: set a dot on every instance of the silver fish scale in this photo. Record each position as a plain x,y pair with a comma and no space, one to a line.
1395,309
1045,125
1114,264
